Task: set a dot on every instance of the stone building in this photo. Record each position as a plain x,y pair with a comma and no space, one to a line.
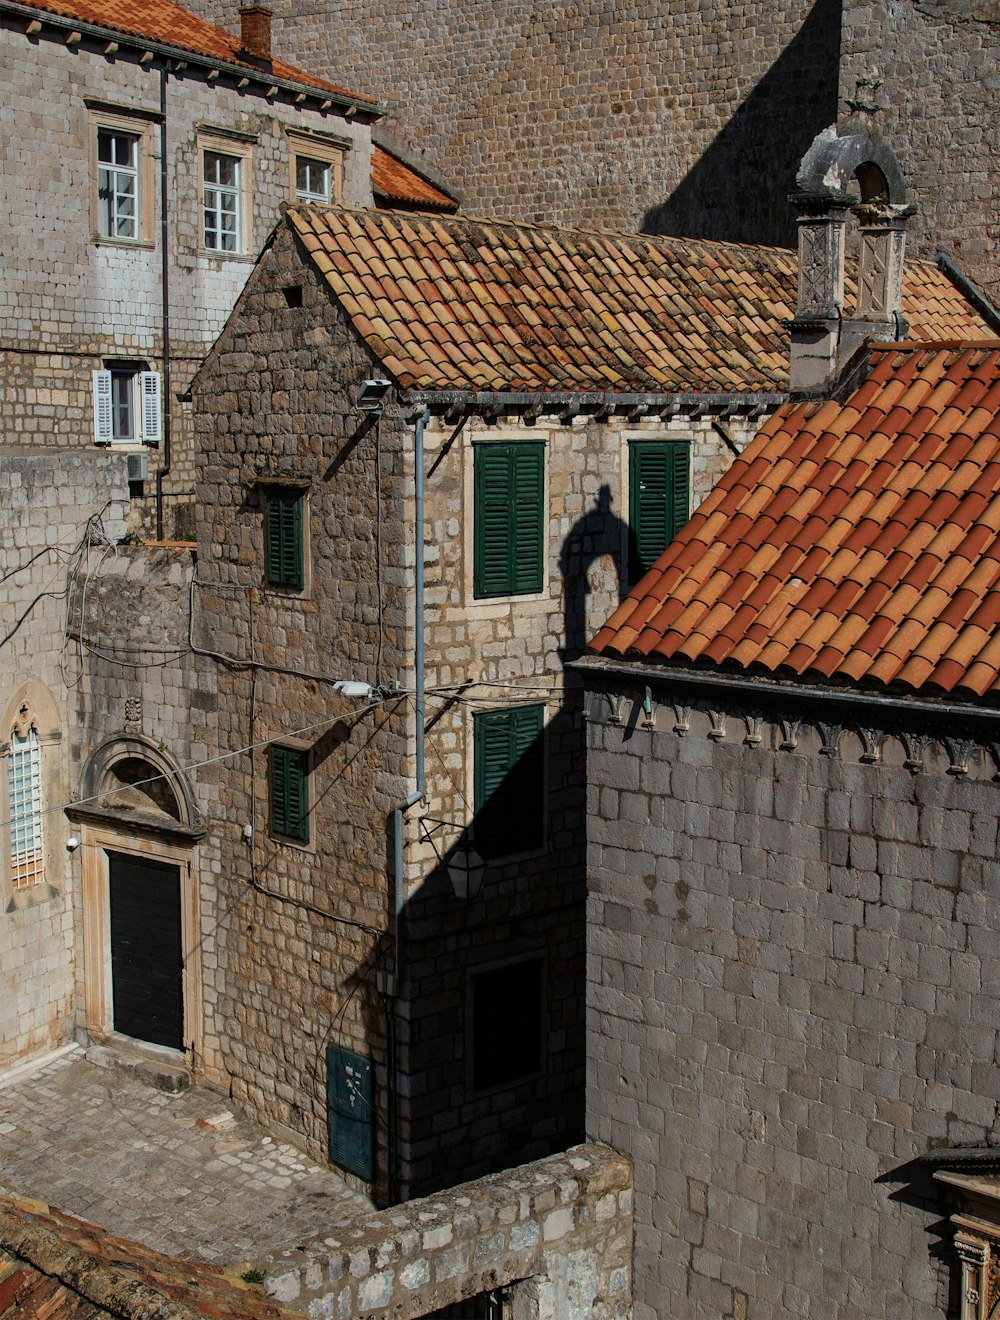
561,428
674,118
159,155
792,826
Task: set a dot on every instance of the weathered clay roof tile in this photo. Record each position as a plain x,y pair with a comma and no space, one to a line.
867,554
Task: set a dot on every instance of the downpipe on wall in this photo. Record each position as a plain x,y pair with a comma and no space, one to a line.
399,879
164,467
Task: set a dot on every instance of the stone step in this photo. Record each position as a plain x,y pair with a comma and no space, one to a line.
161,1069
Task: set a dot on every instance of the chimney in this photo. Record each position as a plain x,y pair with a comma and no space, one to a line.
255,32
825,333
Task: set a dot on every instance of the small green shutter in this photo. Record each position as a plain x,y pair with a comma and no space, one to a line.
509,519
658,499
289,793
285,560
509,780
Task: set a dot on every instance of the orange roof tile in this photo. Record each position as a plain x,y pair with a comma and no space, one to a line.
56,1266
494,306
897,581
397,184
170,24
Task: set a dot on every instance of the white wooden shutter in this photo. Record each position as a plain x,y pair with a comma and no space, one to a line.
149,394
103,423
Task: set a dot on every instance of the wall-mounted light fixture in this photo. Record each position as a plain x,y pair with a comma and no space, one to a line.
371,394
465,868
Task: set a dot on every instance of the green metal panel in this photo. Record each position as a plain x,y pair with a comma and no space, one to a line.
290,793
509,780
509,519
659,499
285,557
351,1111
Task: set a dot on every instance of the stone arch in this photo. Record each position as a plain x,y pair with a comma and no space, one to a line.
41,707
832,161
134,774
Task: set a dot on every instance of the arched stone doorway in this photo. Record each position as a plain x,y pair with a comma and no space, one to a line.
141,925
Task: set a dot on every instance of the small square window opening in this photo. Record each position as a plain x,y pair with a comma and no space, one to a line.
312,180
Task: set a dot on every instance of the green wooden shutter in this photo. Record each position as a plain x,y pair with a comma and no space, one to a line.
285,558
658,499
289,793
509,780
509,519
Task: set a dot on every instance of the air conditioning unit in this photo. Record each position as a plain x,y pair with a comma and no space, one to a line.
138,466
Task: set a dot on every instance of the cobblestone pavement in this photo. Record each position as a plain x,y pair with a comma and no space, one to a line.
101,1144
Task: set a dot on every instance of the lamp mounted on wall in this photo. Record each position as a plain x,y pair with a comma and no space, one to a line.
465,868
370,397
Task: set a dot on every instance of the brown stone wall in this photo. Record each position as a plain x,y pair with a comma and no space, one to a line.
306,926
672,118
936,87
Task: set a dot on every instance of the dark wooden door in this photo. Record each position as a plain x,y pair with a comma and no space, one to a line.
146,959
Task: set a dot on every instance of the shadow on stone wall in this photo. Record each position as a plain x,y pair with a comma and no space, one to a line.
529,910
738,190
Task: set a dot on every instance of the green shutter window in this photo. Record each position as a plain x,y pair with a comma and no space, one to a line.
509,780
289,793
283,537
509,519
658,499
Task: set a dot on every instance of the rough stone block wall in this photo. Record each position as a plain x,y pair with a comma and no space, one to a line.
487,653
936,84
306,926
129,628
46,502
791,996
73,301
558,1230
668,118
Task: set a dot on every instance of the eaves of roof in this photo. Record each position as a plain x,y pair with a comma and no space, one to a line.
275,74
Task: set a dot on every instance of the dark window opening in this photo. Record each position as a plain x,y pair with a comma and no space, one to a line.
506,1024
293,295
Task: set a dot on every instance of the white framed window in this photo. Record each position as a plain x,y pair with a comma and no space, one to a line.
317,167
24,797
118,183
222,201
312,179
127,406
122,153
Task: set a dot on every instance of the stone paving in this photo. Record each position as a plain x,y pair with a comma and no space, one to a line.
102,1144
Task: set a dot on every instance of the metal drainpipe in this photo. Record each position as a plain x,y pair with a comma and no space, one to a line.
399,966
164,468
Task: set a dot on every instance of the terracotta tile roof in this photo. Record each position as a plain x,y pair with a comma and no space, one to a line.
169,23
452,303
855,542
396,184
56,1267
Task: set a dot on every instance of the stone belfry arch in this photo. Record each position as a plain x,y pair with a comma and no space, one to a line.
840,176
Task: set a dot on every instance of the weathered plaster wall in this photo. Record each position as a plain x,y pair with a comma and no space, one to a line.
937,89
46,502
791,998
69,301
670,118
558,1230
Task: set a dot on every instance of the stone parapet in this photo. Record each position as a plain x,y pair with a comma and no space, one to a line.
559,1229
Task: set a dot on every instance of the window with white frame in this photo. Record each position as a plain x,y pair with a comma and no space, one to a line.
118,183
317,167
127,405
312,180
222,197
24,795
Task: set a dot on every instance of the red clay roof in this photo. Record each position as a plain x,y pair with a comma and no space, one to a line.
56,1267
397,184
452,303
166,22
855,542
